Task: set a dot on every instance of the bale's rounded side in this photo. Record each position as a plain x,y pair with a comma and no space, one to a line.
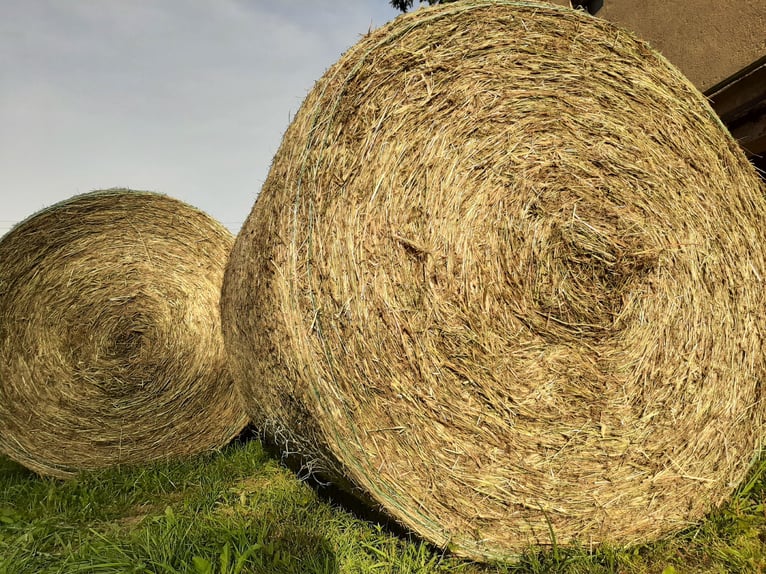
506,278
110,334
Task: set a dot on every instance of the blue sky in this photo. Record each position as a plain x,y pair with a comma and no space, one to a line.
185,97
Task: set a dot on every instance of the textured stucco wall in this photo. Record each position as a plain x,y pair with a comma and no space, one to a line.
709,40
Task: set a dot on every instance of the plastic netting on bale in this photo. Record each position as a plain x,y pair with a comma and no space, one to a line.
505,279
110,335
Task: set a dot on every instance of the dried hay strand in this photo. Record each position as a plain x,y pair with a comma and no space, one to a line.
110,334
504,279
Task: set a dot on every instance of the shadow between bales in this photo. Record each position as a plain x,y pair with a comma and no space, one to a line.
357,504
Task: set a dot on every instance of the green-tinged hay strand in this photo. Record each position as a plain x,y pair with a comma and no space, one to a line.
505,280
110,334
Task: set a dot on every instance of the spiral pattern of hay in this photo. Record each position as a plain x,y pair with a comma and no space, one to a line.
505,278
110,334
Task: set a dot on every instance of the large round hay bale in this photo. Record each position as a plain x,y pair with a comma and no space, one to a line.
110,334
505,277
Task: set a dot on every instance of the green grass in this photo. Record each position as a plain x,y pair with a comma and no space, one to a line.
240,511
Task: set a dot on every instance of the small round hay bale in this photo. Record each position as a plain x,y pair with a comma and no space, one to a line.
505,278
110,334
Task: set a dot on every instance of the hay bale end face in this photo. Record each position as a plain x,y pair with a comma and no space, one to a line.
110,334
505,277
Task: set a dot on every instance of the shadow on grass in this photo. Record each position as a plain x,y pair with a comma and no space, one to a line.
10,469
356,504
312,552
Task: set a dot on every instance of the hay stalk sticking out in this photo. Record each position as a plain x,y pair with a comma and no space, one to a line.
505,277
110,334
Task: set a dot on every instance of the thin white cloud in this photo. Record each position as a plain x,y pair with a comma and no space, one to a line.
189,98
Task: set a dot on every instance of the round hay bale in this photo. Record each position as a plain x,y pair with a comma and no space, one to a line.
110,334
505,278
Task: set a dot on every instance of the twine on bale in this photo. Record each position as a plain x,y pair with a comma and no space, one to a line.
504,279
110,341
